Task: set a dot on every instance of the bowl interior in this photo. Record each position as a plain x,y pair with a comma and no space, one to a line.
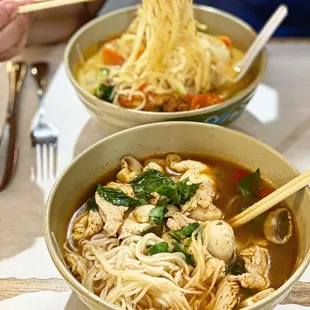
152,139
113,24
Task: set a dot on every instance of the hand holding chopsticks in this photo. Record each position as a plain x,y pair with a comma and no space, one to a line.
271,200
38,6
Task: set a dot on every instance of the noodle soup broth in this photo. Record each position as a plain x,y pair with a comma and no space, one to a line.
159,224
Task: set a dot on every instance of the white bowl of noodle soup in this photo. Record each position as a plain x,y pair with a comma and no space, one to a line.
177,137
115,118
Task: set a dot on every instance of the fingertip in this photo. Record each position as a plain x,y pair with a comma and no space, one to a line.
10,7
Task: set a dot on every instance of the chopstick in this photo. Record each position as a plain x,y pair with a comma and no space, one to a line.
271,200
43,5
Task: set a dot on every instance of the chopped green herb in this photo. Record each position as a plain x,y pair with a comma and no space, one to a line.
104,92
236,268
161,247
249,184
91,204
157,215
184,232
219,224
218,175
189,257
117,197
104,71
160,109
187,191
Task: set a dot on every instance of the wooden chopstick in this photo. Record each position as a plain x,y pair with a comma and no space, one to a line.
43,5
271,200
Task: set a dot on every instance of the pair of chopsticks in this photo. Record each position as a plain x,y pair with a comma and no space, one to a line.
271,200
39,5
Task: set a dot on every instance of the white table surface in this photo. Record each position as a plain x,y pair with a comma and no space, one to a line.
279,115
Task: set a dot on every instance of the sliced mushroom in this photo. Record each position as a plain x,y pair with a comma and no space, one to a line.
130,169
172,158
278,226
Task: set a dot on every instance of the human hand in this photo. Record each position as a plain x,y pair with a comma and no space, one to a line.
13,29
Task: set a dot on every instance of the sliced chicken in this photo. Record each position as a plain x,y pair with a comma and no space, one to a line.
126,188
219,238
202,208
160,161
171,210
77,264
257,297
213,264
130,169
87,225
112,215
178,221
155,166
142,214
131,227
256,260
251,280
227,293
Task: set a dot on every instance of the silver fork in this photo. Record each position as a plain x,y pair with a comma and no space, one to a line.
44,136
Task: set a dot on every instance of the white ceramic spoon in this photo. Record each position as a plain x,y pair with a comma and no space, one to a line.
259,43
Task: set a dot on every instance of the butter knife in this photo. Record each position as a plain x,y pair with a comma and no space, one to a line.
8,149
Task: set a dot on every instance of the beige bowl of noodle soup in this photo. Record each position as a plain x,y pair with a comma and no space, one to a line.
115,118
182,137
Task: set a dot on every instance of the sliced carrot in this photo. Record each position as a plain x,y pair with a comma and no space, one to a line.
205,100
226,40
111,57
144,86
140,51
126,103
265,191
188,98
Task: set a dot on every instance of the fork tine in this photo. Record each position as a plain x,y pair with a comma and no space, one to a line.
38,163
44,162
51,153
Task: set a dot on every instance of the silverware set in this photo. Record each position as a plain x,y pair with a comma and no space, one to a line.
44,135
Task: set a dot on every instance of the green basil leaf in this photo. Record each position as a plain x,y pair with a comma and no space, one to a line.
161,247
157,215
187,191
184,232
104,92
249,184
148,182
91,204
117,197
171,192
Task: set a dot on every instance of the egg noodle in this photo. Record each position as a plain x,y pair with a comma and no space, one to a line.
124,275
165,53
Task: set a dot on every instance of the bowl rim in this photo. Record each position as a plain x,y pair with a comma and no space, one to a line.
90,97
85,293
